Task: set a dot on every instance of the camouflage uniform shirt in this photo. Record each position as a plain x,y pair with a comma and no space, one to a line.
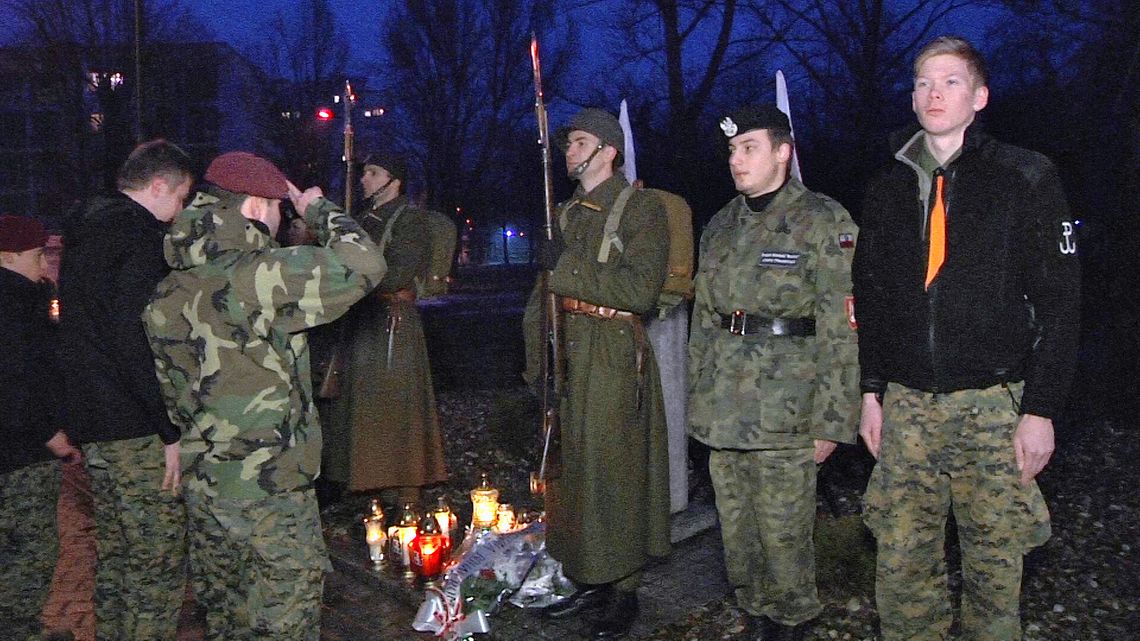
227,330
791,260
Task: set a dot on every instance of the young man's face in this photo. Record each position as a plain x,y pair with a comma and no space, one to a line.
31,264
373,179
580,145
756,167
946,96
170,199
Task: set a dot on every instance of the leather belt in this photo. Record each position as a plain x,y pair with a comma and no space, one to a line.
743,324
575,306
398,296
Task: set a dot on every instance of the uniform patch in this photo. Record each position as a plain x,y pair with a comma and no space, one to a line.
846,241
785,260
728,127
849,306
1068,244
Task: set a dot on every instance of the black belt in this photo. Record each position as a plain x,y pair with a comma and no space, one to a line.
743,324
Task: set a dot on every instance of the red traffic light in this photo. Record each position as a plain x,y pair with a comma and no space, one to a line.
324,113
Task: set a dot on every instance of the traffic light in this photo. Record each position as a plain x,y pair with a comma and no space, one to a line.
324,114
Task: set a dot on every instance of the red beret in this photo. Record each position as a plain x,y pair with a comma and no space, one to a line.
244,173
20,233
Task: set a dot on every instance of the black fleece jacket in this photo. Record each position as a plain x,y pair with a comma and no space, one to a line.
1004,306
112,262
29,381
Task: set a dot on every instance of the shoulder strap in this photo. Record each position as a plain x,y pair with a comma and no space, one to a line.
613,220
386,237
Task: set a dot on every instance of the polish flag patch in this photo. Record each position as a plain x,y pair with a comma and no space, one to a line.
846,241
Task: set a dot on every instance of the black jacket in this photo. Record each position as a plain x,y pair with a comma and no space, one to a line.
29,381
1005,304
112,262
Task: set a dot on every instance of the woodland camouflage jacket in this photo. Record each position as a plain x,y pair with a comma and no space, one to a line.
227,330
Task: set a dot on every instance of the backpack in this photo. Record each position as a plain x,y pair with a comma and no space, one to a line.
443,233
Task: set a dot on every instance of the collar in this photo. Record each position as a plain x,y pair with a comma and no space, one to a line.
603,196
388,208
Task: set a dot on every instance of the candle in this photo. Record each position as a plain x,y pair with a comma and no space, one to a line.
504,518
375,537
484,504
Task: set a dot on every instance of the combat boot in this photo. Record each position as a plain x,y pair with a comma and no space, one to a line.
618,616
588,597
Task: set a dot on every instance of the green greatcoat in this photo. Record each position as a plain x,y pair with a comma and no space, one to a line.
609,510
383,430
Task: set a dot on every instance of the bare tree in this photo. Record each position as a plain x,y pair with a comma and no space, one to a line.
695,45
851,67
78,45
458,85
309,54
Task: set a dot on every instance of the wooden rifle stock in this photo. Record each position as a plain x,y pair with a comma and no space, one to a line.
552,370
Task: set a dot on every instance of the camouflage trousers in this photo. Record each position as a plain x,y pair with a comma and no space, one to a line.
766,503
140,542
943,452
258,566
29,544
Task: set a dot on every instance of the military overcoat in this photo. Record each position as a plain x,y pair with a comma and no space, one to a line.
609,510
383,431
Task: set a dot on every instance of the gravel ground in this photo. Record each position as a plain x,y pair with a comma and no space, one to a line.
1083,585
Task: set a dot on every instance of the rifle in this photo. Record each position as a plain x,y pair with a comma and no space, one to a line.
329,387
349,135
552,370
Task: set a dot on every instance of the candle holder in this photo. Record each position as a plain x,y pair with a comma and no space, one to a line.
374,534
484,504
504,518
537,484
447,521
400,535
427,550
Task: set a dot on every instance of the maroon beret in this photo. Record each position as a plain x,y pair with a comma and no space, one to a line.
244,173
20,233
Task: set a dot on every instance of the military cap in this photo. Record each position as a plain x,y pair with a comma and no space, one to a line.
391,161
20,233
241,172
599,122
747,118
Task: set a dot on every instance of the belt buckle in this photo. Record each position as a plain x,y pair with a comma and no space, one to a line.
781,326
736,322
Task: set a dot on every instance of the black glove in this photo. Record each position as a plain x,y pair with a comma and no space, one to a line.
549,251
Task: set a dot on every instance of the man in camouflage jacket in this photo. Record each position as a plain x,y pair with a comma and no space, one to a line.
773,367
227,330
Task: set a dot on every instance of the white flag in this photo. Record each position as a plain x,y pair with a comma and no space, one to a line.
630,166
782,105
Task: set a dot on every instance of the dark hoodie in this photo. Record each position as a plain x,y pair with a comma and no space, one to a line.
112,261
29,380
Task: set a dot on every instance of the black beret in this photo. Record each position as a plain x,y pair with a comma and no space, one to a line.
390,161
747,118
